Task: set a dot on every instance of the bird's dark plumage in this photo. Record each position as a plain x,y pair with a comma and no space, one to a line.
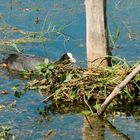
22,62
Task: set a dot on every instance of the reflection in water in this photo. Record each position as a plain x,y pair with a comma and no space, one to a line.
95,126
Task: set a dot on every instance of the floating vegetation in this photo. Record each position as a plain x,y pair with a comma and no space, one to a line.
5,132
2,107
33,37
29,37
133,35
23,40
71,88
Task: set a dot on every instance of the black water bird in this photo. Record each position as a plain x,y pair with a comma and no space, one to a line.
21,62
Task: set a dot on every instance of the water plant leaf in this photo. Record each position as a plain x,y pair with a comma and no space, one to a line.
51,66
15,88
46,61
110,106
128,93
73,94
66,77
48,72
53,89
97,106
40,66
137,78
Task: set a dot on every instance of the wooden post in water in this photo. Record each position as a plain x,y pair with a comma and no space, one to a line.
96,34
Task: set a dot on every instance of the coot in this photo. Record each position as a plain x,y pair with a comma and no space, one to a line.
20,62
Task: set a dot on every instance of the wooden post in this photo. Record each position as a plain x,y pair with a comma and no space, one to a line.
96,35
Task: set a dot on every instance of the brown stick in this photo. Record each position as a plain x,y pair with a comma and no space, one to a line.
118,89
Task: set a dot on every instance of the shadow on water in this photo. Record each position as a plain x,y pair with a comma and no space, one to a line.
63,24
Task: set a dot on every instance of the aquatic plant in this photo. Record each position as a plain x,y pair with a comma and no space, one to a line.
72,88
5,132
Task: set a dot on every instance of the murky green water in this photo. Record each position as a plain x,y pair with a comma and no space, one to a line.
63,23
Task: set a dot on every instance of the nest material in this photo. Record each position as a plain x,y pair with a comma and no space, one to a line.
67,86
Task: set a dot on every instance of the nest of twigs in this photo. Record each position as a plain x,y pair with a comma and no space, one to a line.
70,88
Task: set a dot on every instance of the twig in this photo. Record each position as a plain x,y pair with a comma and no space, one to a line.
87,104
46,99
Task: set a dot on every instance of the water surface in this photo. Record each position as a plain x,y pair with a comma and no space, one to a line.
63,23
